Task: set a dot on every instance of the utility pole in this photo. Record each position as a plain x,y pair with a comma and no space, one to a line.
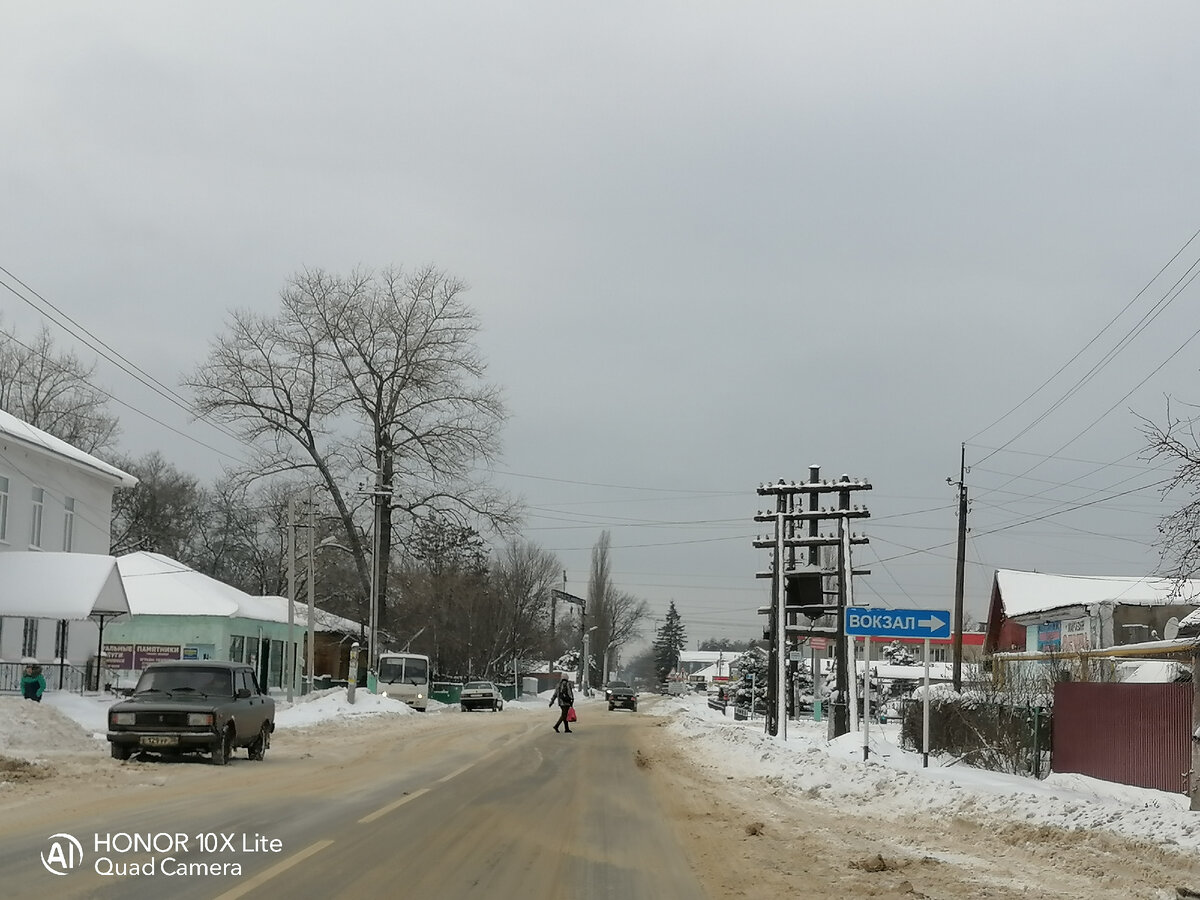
381,497
798,590
289,655
960,566
312,627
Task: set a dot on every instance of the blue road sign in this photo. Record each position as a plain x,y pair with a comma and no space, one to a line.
897,623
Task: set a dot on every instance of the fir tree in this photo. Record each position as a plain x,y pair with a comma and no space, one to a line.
669,641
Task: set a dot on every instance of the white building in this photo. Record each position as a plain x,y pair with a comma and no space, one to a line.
55,571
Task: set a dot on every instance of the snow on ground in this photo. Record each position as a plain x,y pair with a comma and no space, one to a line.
892,783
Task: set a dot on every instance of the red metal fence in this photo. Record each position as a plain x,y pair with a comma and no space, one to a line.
1136,734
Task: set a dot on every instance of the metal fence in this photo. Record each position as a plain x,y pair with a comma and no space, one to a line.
1136,734
59,677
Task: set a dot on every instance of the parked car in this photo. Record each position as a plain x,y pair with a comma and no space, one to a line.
193,707
480,695
619,693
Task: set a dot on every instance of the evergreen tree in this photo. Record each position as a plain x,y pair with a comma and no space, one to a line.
669,641
751,689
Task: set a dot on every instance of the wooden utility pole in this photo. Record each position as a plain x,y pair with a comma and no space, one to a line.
960,567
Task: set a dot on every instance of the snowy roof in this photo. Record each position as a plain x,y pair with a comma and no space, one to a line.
25,433
1026,593
60,585
709,656
160,586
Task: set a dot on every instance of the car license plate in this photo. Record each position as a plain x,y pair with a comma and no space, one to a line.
160,740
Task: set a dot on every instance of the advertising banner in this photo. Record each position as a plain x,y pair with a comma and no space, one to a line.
1049,637
118,656
143,654
1075,635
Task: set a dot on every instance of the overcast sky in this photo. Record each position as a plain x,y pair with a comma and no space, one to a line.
710,245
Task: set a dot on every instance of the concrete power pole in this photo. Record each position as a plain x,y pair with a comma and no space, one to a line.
289,654
310,661
799,606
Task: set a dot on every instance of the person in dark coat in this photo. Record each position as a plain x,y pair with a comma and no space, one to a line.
566,699
33,684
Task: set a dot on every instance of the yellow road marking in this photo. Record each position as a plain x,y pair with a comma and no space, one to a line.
263,877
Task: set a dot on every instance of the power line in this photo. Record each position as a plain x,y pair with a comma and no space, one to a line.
113,398
1112,353
99,346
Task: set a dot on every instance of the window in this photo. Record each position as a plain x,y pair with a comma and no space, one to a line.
35,521
275,665
3,508
237,648
60,639
29,638
68,523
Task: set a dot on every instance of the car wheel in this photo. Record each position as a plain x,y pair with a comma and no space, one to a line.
258,749
121,751
463,707
222,749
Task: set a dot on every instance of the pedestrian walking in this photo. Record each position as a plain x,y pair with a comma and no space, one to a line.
566,701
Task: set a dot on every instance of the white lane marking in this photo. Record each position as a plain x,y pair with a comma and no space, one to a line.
384,810
263,877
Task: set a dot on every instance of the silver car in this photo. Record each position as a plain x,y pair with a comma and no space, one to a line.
480,695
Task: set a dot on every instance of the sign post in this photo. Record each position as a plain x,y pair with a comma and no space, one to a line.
898,623
925,713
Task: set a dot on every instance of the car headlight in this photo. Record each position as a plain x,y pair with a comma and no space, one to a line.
420,696
122,718
200,718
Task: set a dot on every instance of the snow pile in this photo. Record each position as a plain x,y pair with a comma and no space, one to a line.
892,783
321,706
39,730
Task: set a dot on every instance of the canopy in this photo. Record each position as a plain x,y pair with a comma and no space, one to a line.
60,585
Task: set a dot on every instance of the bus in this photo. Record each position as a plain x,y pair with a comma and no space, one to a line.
404,676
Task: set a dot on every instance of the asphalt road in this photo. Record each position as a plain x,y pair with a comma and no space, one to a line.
465,805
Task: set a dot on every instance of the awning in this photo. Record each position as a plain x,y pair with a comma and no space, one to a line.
60,585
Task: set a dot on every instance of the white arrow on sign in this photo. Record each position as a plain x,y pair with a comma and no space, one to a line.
932,624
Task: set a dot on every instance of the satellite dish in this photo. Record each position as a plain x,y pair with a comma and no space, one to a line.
1171,629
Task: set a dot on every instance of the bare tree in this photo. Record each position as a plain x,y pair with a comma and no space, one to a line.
1176,442
523,575
364,375
51,389
616,614
162,513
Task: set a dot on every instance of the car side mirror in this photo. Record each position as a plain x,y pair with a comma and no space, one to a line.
243,693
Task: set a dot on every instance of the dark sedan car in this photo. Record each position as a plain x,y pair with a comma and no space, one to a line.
193,707
619,693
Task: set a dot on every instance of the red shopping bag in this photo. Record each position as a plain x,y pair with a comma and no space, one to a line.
570,714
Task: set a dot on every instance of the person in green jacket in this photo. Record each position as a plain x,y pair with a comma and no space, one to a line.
33,684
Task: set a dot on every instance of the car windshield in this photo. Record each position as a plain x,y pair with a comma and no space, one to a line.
403,669
211,682
479,686
617,684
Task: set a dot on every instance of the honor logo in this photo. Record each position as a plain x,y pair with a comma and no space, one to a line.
65,854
